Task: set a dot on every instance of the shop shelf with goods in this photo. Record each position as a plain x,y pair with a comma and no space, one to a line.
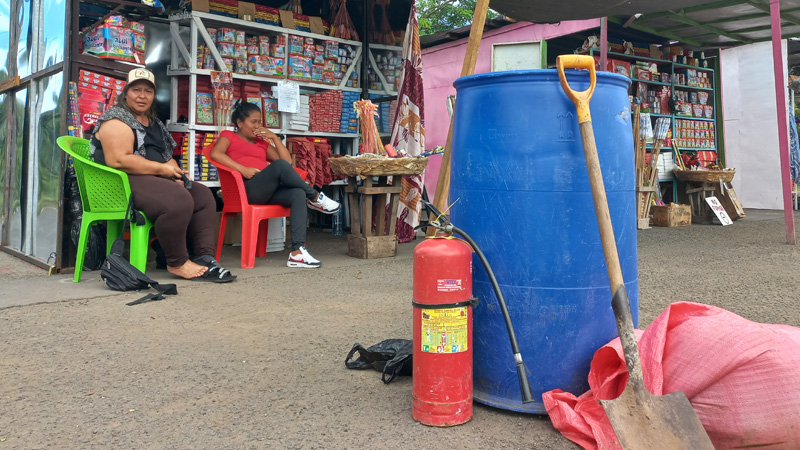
110,43
326,70
668,88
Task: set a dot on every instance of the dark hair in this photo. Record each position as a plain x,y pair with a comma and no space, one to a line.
241,111
152,113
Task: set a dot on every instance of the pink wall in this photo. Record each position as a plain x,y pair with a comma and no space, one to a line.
441,65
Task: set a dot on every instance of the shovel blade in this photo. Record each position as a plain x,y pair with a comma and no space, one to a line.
645,421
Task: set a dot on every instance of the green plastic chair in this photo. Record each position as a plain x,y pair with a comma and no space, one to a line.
104,195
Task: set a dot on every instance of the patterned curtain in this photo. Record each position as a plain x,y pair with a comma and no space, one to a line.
408,127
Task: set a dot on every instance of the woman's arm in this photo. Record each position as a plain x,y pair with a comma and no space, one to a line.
277,150
219,154
118,141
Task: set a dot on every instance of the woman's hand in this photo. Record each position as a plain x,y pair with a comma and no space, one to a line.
266,134
171,171
249,172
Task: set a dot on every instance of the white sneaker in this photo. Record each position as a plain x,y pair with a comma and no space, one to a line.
324,205
303,260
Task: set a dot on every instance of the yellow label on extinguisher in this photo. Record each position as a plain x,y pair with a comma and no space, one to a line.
444,330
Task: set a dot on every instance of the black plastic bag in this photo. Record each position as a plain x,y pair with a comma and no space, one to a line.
391,357
96,239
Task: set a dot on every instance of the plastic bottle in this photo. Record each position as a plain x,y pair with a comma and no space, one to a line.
337,224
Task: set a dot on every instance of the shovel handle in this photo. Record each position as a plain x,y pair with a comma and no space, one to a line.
579,98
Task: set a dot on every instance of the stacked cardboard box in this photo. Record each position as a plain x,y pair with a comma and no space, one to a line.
349,121
326,111
299,121
96,93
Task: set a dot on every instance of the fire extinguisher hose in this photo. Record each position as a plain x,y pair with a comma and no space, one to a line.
524,385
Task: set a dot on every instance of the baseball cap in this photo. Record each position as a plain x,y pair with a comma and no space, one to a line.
141,74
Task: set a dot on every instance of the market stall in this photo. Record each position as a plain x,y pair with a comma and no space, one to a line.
66,73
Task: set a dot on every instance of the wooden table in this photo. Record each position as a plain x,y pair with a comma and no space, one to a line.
699,186
364,241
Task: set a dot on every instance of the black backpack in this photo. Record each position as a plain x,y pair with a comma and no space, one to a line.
118,274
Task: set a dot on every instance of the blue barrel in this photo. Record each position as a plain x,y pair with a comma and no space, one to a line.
521,190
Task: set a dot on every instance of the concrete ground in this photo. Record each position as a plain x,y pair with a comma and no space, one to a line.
259,363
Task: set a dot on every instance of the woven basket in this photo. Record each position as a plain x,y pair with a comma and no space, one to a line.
366,166
704,176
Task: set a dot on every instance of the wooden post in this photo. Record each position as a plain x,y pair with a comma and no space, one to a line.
468,68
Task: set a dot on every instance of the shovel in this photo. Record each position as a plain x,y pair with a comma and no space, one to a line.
640,419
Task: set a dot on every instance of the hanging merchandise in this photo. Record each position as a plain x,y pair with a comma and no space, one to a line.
294,6
370,137
385,34
222,84
341,26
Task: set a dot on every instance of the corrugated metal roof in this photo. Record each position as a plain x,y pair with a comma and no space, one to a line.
699,23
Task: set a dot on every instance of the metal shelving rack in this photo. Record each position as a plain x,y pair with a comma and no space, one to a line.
673,67
342,143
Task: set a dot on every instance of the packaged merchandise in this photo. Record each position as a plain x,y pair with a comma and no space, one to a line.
316,73
111,42
226,35
263,45
241,51
226,49
272,118
240,37
299,67
295,45
240,65
331,50
278,50
205,108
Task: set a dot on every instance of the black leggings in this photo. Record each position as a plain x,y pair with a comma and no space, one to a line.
279,184
177,213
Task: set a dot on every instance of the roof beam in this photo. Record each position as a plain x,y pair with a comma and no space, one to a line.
785,16
684,26
712,5
681,17
645,29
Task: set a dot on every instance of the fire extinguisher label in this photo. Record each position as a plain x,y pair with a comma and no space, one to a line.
448,285
444,330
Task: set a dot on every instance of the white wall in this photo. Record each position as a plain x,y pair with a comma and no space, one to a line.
751,123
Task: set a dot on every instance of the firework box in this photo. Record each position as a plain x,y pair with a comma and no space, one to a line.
278,50
111,42
331,50
295,45
205,108
299,67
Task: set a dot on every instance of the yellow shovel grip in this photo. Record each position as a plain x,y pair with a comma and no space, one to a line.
580,99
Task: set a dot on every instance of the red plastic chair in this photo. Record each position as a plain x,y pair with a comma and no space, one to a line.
255,218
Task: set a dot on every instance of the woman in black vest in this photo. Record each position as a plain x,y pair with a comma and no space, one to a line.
129,137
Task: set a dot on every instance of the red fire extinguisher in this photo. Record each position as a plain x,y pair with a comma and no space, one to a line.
442,358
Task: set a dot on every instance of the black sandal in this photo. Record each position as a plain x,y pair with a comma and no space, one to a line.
215,273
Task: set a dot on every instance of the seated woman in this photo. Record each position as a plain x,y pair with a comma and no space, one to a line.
269,178
129,137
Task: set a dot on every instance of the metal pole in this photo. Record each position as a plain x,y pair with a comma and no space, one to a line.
783,131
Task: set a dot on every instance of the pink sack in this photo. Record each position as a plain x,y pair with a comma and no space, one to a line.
740,376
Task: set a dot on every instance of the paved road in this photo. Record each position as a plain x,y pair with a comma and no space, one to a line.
259,363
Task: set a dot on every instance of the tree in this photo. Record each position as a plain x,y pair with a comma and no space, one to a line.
441,15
